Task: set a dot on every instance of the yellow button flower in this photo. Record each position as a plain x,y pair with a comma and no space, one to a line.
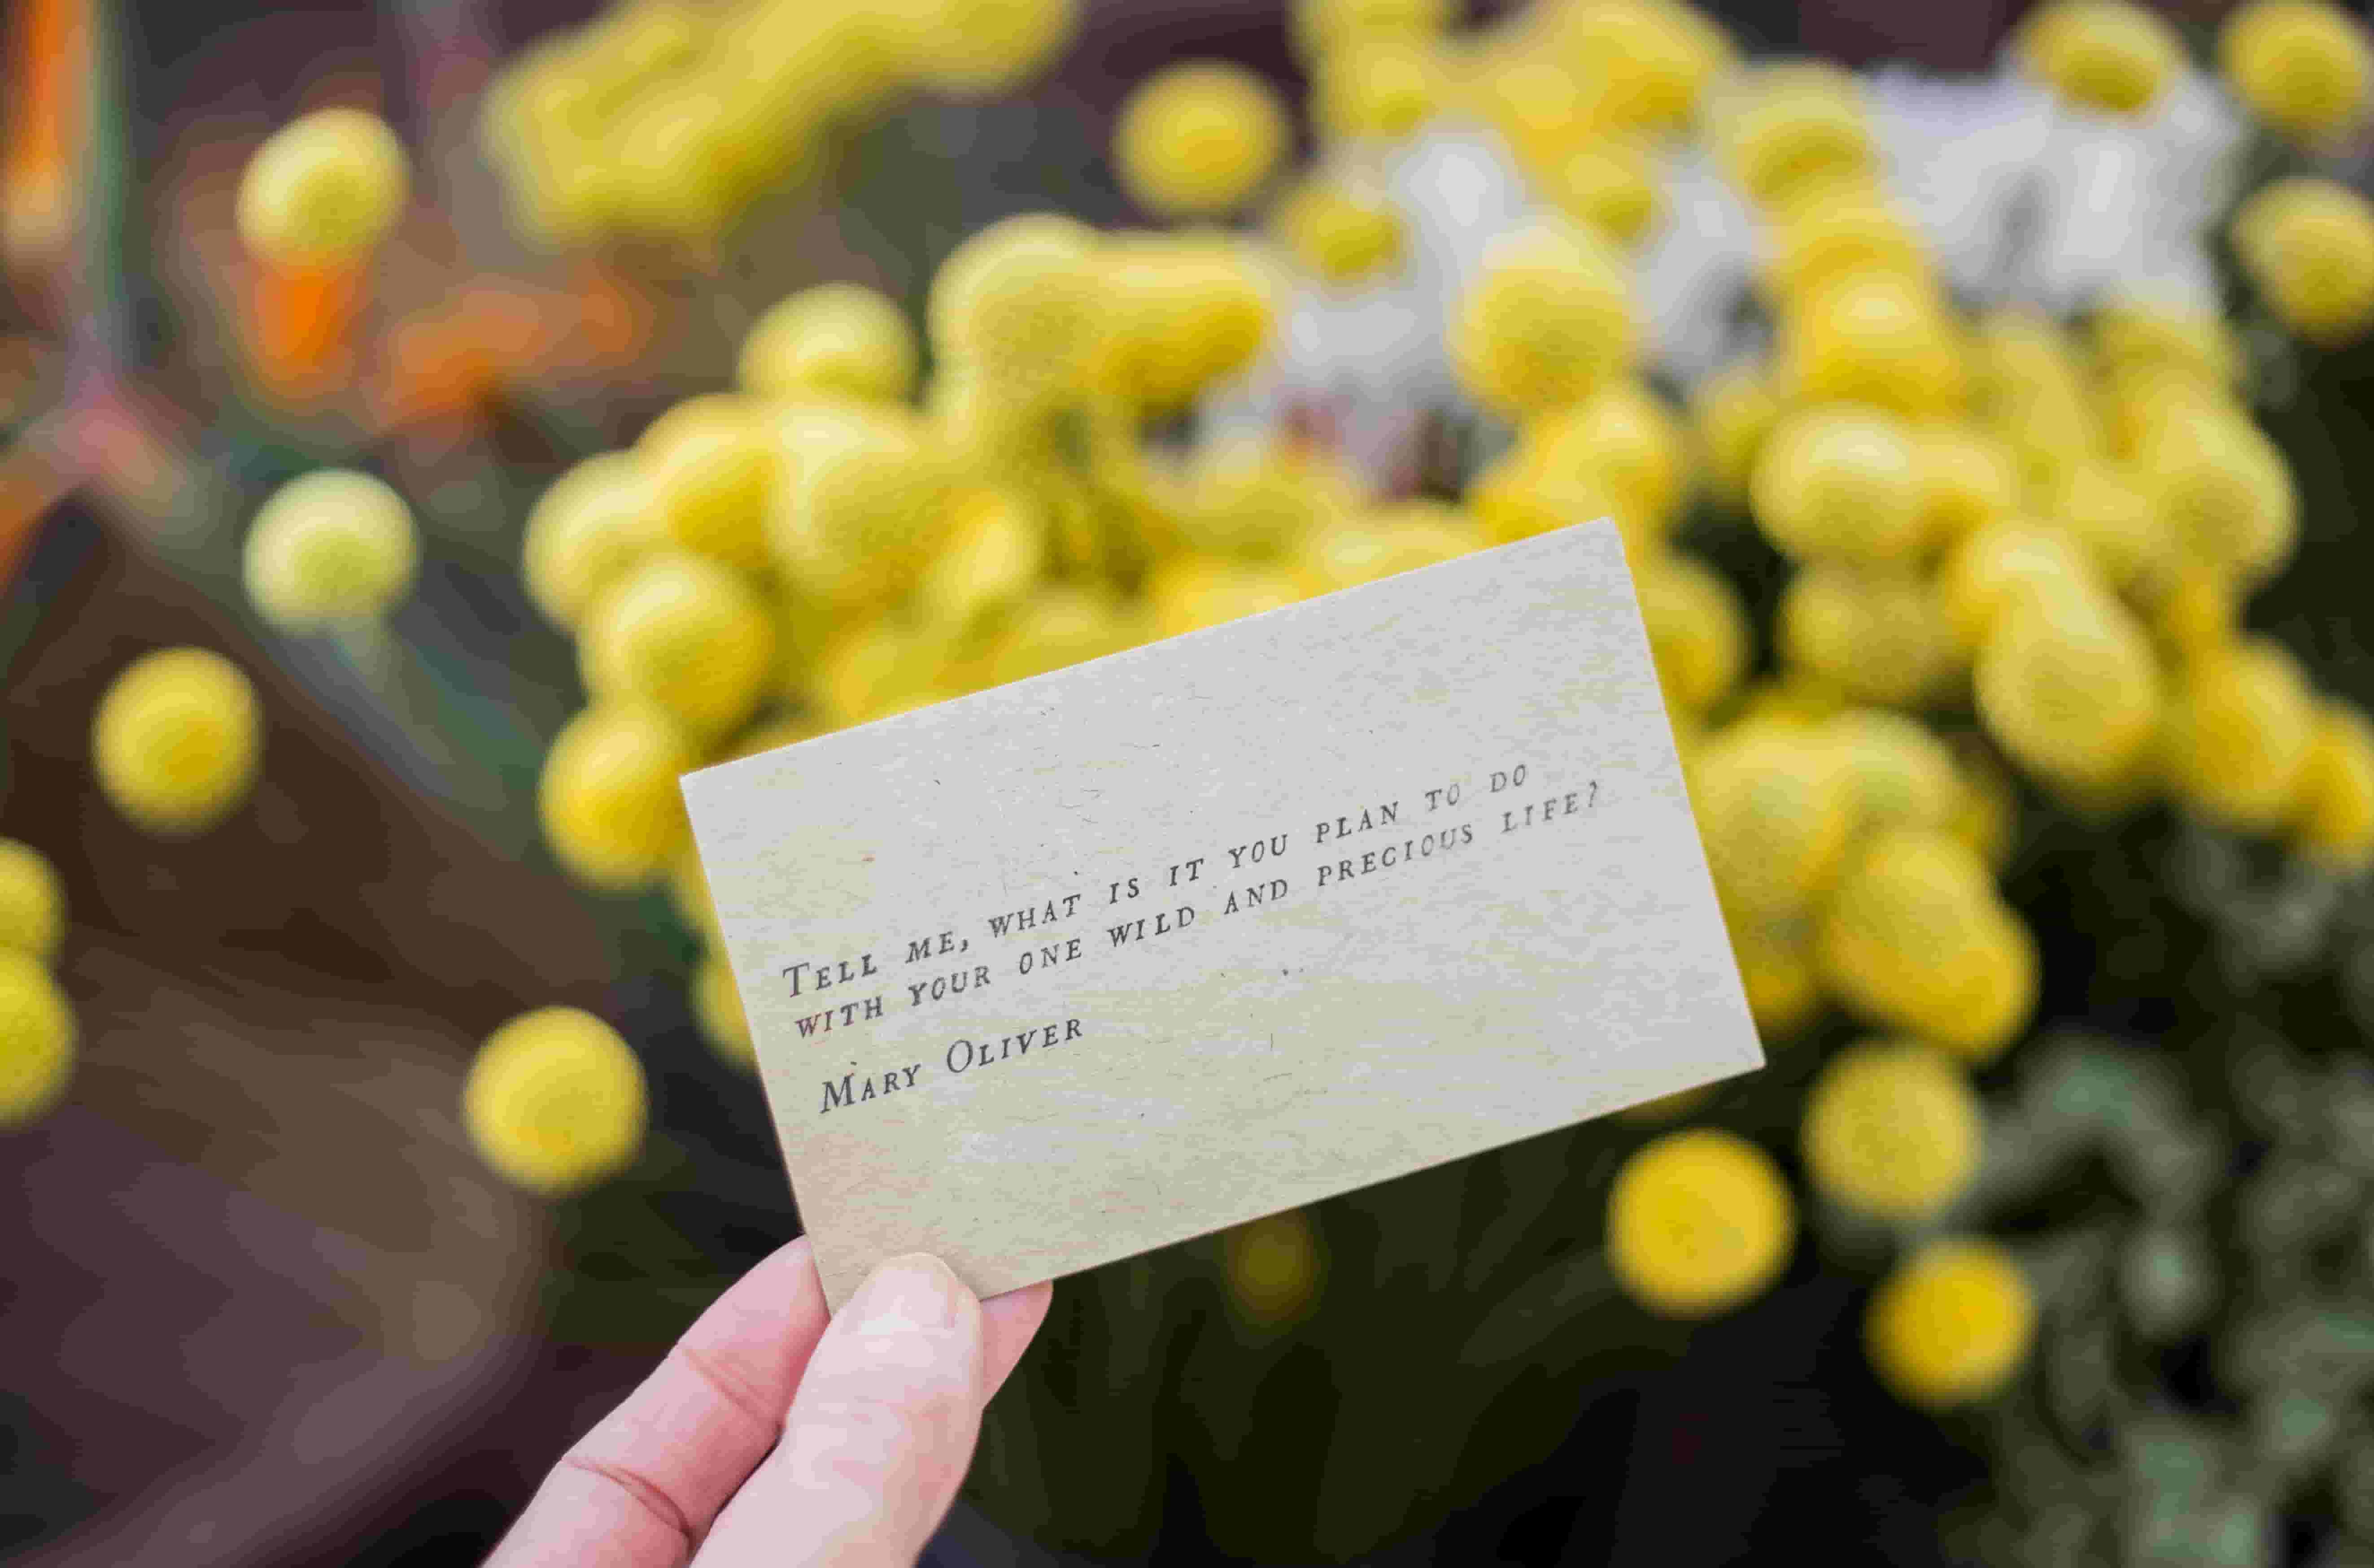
1385,541
1059,625
1264,496
1383,88
1321,27
32,904
714,467
1698,1222
1777,975
1775,810
2069,687
607,796
2110,508
37,1039
1892,1130
2308,244
983,48
1181,310
1838,483
871,499
836,338
1651,60
1549,318
1190,591
2333,809
1875,634
177,740
1872,336
1966,478
325,188
1791,125
555,1101
2240,725
686,633
2302,65
589,528
1697,629
330,547
1339,231
2223,489
2010,561
1953,1324
2107,54
1730,413
1197,139
717,1009
1021,305
1275,1268
1915,938
1901,775
1629,441
1611,183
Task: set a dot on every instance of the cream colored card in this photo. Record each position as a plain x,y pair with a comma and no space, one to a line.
1066,970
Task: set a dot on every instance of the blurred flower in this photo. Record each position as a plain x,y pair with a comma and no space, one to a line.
32,904
555,1101
328,547
1697,1222
327,187
177,740
1953,1324
1892,1130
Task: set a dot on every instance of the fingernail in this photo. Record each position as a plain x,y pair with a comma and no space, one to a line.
913,1294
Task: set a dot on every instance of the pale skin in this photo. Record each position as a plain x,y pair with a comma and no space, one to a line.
777,1432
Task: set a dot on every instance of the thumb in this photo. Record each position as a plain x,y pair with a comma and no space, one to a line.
878,1437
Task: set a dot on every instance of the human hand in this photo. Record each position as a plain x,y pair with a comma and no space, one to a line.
870,1417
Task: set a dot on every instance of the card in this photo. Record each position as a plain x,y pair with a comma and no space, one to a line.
1063,971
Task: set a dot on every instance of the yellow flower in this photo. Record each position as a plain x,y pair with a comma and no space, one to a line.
686,633
32,904
331,546
1627,442
2109,507
1953,1324
1839,481
1966,478
1188,593
1275,1267
2068,686
1339,231
1901,775
2109,54
1197,139
326,187
589,527
1892,1130
176,740
2302,65
607,796
982,48
714,467
1323,27
1698,1222
2334,806
2194,609
1610,183
1264,496
1384,87
555,1101
996,549
2007,562
1915,938
2240,726
2308,244
1730,413
1836,230
1872,336
1791,125
1020,304
1059,625
1875,634
2223,489
37,1039
1697,629
1385,541
838,338
1986,808
2135,333
1775,810
1778,975
1650,60
1548,318
1181,310
717,1009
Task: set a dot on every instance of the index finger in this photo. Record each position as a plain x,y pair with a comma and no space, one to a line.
642,1489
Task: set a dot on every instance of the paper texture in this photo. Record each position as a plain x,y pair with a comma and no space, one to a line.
1063,971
